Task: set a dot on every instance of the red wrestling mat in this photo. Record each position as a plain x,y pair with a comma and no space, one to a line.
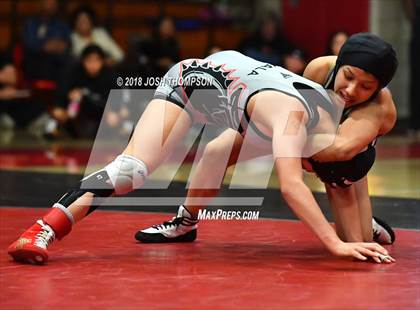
268,264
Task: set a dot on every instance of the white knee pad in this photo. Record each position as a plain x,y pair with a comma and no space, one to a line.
126,173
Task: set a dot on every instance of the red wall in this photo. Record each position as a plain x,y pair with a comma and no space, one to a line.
308,23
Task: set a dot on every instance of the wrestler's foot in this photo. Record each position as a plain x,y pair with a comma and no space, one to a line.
382,232
31,247
182,228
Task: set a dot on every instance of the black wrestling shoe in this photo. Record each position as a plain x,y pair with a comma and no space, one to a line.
382,232
182,228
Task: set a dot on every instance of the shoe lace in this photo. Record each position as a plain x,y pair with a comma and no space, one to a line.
176,221
45,237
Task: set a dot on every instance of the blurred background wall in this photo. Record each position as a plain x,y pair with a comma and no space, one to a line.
200,23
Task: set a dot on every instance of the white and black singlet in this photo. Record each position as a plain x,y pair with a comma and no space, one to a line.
216,90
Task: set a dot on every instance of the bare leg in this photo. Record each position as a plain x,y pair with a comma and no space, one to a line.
383,233
345,209
159,129
219,154
365,208
161,126
80,207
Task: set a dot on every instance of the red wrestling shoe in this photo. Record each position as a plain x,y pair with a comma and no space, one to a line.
32,245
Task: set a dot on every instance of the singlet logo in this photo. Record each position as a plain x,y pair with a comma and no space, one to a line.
257,70
218,100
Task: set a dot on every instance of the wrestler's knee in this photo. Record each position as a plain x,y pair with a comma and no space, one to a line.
126,173
216,152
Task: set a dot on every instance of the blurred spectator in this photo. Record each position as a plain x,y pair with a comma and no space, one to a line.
122,114
137,62
295,61
413,12
164,46
267,43
8,77
46,41
15,109
82,95
86,32
335,42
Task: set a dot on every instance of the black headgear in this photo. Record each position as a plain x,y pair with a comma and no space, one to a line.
344,173
371,54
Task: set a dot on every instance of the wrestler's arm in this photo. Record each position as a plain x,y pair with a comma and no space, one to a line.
289,138
365,123
376,118
317,70
300,199
363,126
351,206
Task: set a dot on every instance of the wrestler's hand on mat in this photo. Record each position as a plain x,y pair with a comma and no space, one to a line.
363,251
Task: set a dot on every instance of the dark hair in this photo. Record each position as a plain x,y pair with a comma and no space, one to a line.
83,9
328,50
92,49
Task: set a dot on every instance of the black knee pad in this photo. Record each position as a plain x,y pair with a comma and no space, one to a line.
344,173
